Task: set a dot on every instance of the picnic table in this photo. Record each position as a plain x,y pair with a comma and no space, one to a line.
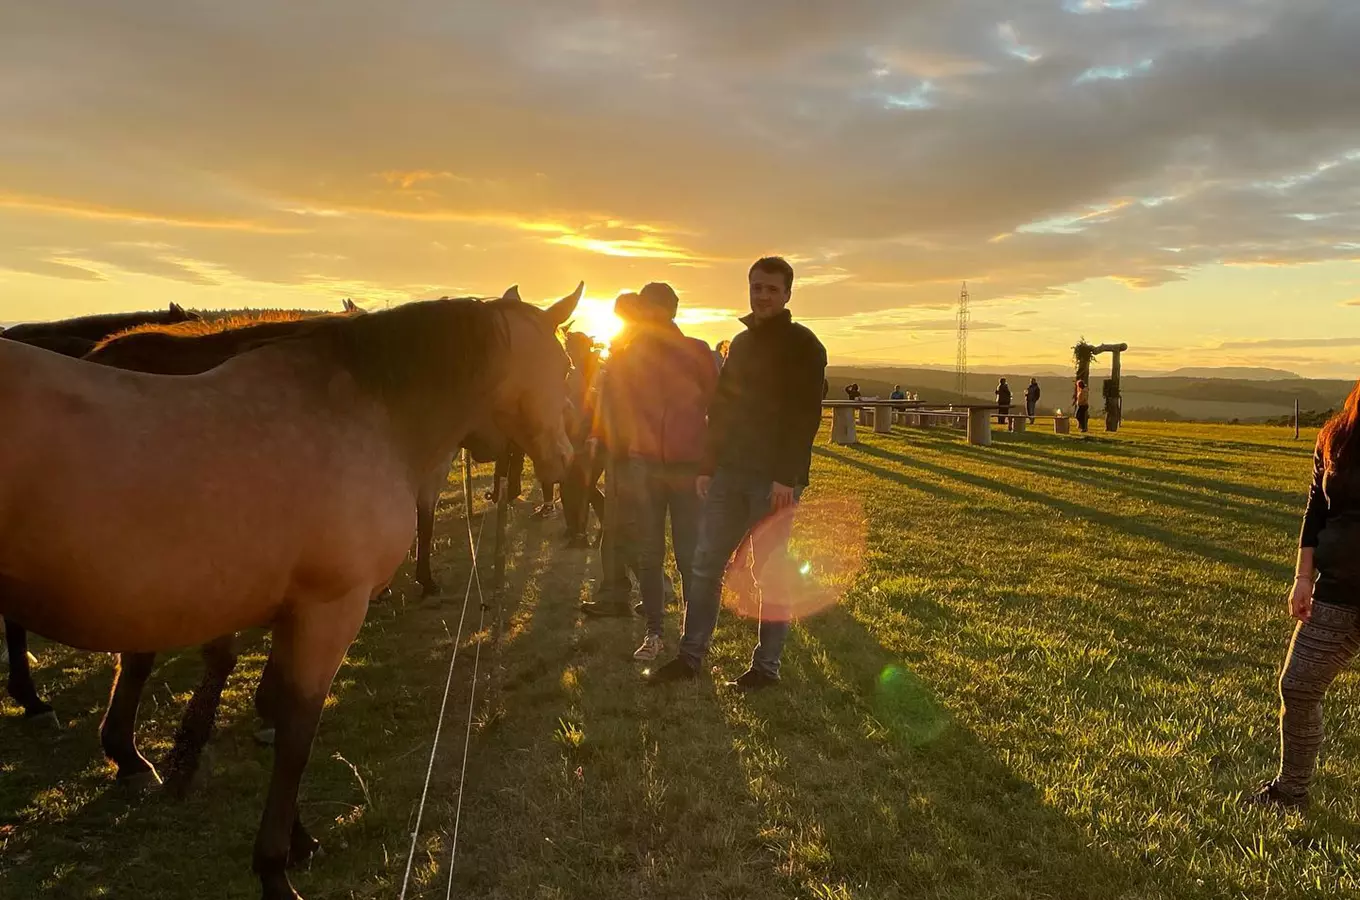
976,418
843,415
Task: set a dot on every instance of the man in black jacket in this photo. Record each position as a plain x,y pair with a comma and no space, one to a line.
761,426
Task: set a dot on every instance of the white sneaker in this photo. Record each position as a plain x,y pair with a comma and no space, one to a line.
651,648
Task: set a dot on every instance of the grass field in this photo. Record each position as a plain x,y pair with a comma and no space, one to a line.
1048,673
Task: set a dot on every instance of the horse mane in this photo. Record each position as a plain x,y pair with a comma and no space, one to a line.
193,328
94,328
417,351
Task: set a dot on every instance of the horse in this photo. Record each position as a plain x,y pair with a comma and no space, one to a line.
69,337
189,348
287,500
83,337
76,337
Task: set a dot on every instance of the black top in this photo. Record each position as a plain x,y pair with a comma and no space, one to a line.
1331,523
1003,394
768,407
1032,393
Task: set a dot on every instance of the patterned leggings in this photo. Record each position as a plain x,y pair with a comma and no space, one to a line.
1321,648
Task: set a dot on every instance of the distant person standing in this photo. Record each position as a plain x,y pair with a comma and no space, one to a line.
897,394
852,391
1032,399
1003,400
761,425
1083,400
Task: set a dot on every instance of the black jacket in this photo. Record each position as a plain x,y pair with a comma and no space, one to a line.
1331,524
768,407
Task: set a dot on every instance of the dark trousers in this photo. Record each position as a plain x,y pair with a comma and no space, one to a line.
737,512
1029,409
657,491
1083,416
581,493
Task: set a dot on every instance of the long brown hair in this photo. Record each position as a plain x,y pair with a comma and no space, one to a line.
1334,440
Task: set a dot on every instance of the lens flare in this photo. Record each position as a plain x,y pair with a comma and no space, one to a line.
906,707
798,562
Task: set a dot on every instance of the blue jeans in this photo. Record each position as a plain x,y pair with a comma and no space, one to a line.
655,490
737,503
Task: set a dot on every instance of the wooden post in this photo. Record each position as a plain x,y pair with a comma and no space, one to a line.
1018,424
1296,418
980,427
864,413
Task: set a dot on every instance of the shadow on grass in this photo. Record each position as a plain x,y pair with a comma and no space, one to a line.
1111,520
882,793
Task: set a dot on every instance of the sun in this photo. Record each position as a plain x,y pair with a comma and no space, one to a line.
596,318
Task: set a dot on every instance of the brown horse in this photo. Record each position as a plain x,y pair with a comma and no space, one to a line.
83,337
188,348
70,337
274,490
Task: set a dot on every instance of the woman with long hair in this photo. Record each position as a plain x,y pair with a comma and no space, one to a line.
1325,599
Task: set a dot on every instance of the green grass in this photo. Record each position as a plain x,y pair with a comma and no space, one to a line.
1047,671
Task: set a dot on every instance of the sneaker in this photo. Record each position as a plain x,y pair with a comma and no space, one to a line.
1271,794
651,648
675,670
752,680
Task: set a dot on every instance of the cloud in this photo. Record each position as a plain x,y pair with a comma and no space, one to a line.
893,149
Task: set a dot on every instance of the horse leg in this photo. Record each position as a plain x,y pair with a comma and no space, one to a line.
117,733
20,685
308,647
426,501
219,660
266,701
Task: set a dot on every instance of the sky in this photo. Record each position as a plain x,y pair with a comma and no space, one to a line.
1180,175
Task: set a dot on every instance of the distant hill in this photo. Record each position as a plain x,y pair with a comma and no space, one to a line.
1242,373
1150,397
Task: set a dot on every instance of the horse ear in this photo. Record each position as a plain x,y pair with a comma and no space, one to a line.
511,293
350,305
177,309
561,311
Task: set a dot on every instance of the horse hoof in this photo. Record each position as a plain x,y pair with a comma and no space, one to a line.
177,785
47,720
265,737
141,782
304,850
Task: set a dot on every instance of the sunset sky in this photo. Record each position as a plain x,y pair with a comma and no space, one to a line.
1183,175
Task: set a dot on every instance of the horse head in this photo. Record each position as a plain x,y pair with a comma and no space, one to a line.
528,407
178,313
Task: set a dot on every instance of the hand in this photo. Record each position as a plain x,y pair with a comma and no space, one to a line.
701,485
781,497
1301,599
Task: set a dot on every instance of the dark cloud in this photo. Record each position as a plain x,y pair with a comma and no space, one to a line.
901,147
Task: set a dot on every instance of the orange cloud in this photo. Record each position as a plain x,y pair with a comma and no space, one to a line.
83,210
